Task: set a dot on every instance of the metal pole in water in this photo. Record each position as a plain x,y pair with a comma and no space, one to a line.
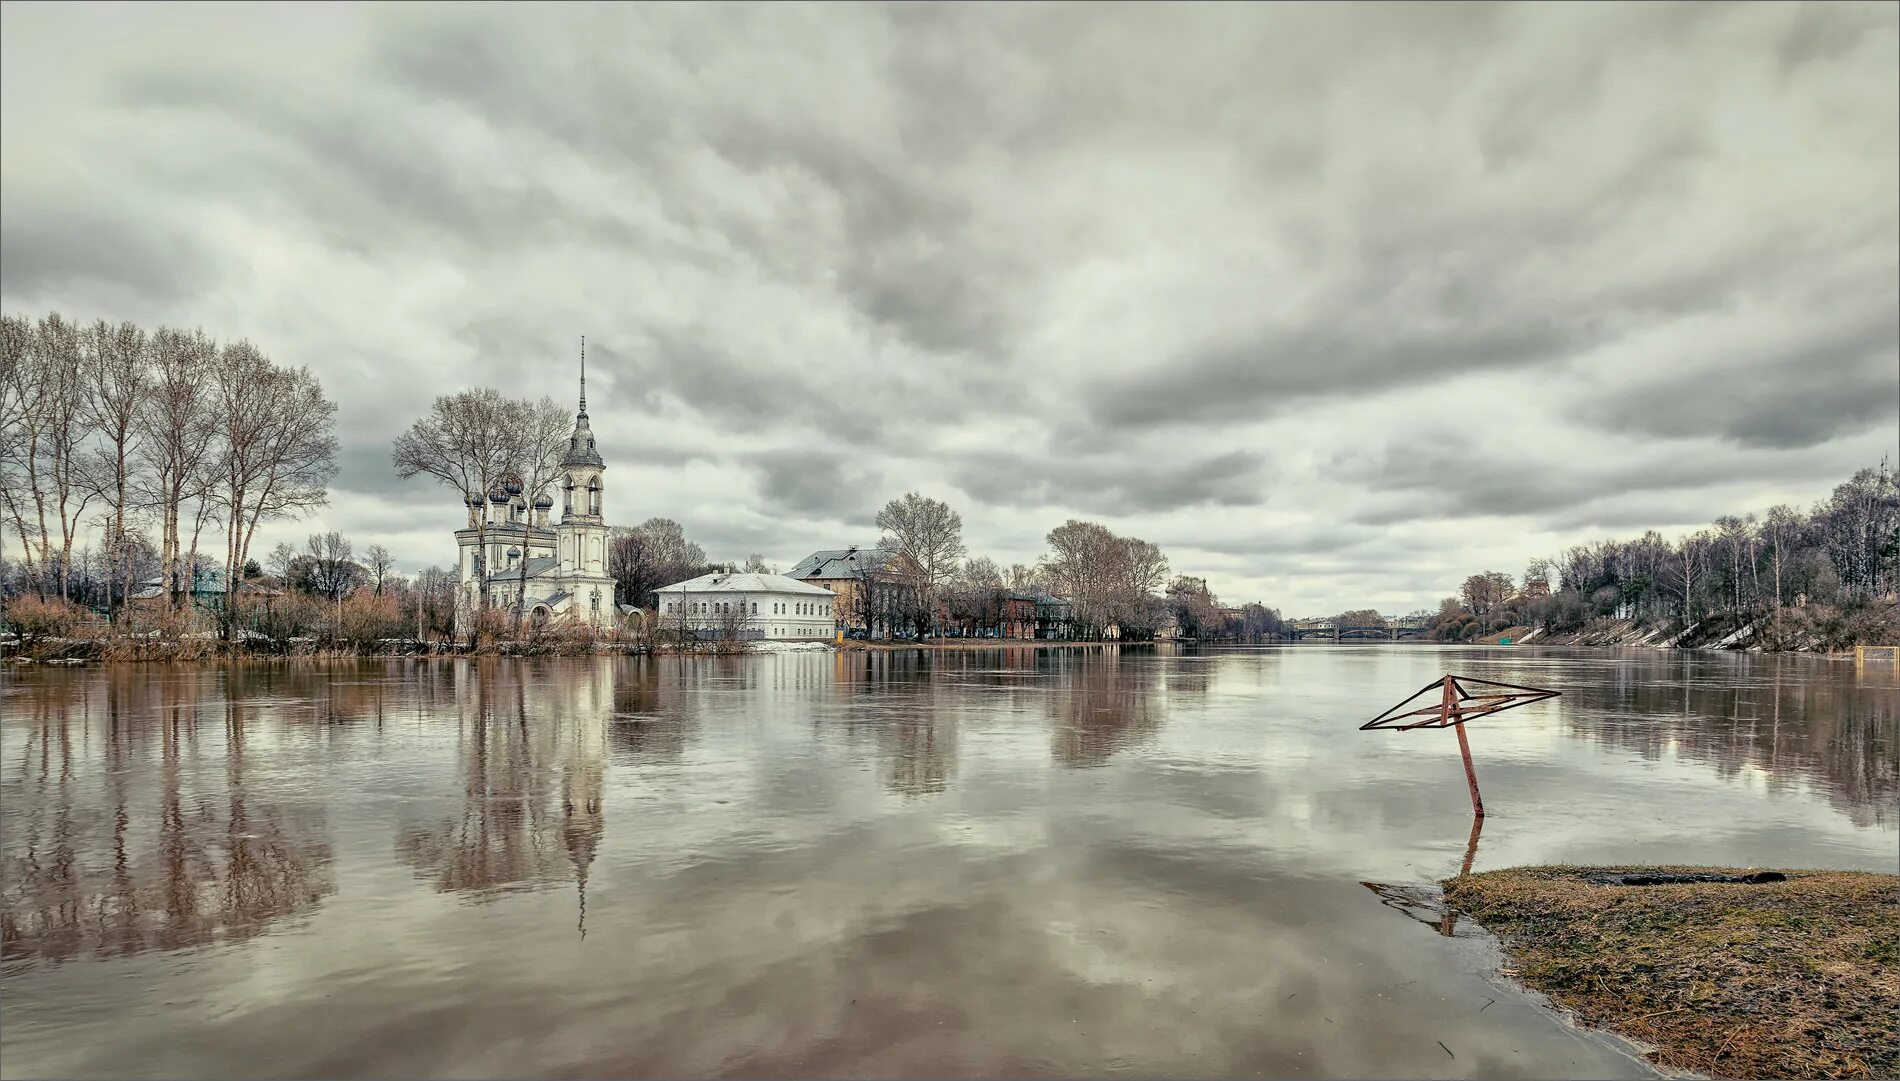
1471,775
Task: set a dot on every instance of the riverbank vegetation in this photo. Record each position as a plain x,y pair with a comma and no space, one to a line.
1821,579
1793,978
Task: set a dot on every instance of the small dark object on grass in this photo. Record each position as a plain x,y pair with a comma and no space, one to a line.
1694,877
1441,1043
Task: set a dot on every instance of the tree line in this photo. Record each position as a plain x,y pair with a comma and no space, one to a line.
1821,575
112,426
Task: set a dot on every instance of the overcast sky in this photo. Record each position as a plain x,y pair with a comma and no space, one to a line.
1336,304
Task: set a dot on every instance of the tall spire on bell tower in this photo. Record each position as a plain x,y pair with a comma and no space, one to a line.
583,375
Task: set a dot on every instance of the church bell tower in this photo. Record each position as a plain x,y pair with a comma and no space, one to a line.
583,529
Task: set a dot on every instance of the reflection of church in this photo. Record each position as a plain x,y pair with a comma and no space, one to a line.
534,758
582,779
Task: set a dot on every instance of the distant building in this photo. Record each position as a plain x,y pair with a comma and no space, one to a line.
847,572
1055,617
1537,587
204,605
1019,615
772,607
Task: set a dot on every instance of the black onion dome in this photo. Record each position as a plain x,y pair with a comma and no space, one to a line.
546,501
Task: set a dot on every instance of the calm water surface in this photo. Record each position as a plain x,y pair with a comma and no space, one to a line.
1026,863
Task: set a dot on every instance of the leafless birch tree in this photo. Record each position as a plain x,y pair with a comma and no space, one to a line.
179,433
117,383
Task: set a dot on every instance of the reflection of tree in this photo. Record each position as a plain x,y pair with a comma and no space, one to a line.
502,837
919,753
523,824
1189,677
1102,705
176,854
893,701
1796,724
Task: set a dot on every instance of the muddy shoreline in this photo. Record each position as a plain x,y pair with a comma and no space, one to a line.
1741,975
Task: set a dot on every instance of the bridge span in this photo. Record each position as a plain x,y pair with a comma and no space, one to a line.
1390,630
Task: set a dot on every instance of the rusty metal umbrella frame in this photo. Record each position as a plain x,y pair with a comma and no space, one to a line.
1456,705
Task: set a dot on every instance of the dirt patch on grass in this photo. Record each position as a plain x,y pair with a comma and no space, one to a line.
1798,978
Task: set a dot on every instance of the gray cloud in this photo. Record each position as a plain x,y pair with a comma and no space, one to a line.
1836,381
1456,475
63,242
1392,268
814,483
1113,484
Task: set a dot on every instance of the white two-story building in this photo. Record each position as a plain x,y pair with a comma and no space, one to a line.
771,607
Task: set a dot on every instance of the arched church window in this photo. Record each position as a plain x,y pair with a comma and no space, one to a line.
567,505
593,496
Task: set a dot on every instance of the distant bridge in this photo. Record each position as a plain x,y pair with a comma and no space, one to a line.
1390,630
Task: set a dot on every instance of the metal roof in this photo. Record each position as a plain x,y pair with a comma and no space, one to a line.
743,582
842,562
535,567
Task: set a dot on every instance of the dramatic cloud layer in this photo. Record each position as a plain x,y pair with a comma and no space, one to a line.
1337,304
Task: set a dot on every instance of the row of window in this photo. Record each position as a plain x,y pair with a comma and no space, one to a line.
738,607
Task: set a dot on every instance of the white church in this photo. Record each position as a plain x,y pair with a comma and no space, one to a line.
508,545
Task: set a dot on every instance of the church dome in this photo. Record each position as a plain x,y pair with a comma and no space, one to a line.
545,502
580,446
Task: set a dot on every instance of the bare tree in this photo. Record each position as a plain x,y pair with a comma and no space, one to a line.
116,378
538,434
1081,567
379,562
1109,580
277,451
48,454
655,553
19,420
332,567
756,564
280,559
930,536
179,432
1023,579
1780,530
464,442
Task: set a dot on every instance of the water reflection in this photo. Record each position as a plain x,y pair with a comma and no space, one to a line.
905,707
515,725
1778,717
1102,704
134,821
1152,862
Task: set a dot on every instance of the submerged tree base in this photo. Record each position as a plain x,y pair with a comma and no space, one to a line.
1737,979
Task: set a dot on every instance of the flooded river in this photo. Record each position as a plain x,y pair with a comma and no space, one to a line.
866,865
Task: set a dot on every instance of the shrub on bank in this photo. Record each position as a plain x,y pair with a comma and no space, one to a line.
35,620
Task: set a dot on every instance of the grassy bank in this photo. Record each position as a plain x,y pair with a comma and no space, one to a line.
1798,978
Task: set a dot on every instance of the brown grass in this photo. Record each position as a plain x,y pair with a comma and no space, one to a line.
1789,979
